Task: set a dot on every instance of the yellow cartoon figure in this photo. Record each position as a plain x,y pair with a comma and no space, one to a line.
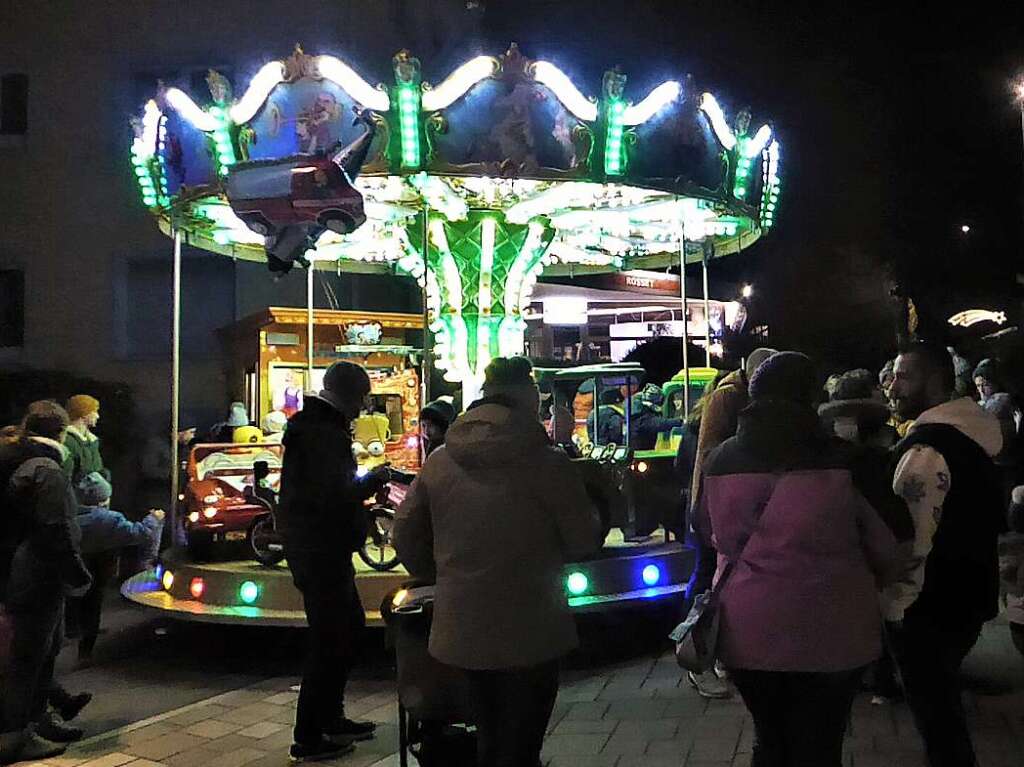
370,432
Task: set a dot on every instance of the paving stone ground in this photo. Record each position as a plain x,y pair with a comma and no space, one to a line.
638,713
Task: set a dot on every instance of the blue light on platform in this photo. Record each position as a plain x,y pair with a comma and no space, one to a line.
651,575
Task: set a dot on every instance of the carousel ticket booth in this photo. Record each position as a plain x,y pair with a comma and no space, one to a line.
269,370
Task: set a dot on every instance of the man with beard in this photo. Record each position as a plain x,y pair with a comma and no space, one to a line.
949,585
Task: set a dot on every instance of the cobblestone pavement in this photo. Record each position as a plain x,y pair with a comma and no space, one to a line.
639,712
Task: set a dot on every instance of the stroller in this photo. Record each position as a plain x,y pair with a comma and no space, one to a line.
434,708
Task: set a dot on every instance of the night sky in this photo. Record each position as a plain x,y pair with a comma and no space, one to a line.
897,128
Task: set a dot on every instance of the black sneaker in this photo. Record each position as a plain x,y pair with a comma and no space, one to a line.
48,728
348,730
32,748
70,706
325,749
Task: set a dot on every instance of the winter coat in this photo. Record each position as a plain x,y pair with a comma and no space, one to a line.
946,474
47,558
492,518
1003,407
646,423
320,508
719,420
803,597
612,426
106,530
83,455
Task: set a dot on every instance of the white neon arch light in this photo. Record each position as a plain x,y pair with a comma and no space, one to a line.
188,109
459,82
344,76
554,78
723,132
268,78
656,100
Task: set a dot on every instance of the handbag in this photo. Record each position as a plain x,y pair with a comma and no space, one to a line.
696,638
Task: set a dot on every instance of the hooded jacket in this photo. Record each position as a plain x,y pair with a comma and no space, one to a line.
803,592
946,474
83,455
321,501
42,537
719,421
491,519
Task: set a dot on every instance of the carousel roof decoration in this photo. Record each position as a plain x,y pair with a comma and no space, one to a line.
504,170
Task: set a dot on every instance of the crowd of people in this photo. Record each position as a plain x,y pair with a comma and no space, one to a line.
852,530
59,543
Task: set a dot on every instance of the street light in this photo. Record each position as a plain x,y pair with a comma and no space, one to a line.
965,229
748,291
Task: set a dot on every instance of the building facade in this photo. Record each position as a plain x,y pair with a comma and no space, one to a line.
85,277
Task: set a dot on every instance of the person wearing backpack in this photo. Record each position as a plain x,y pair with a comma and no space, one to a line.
46,566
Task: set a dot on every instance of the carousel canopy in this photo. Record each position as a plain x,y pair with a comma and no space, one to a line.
475,186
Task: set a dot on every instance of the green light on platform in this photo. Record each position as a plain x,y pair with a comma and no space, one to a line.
248,592
577,583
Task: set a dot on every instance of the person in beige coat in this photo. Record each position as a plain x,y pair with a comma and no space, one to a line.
492,518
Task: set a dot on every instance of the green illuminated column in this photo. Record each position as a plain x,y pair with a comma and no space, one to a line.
480,275
406,128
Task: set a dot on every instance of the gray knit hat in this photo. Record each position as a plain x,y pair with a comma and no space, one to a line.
788,376
93,490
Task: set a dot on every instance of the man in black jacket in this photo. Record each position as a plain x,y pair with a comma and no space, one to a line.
42,565
321,520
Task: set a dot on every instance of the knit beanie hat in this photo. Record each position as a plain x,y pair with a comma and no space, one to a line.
987,369
788,376
274,422
855,395
82,405
93,489
512,378
755,358
439,412
237,415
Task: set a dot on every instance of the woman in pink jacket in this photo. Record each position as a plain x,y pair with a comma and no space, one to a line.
799,613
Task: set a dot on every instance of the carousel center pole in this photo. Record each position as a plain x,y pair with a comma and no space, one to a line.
425,362
309,325
175,382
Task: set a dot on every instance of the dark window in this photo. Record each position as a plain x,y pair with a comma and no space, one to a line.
14,104
12,308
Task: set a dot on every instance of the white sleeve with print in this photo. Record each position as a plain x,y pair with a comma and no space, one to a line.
922,480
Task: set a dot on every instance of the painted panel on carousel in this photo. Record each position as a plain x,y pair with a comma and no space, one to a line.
678,143
187,155
303,117
514,122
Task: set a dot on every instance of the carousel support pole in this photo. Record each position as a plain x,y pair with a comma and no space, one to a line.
707,310
309,325
425,363
175,384
686,320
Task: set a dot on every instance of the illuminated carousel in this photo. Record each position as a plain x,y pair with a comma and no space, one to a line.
475,187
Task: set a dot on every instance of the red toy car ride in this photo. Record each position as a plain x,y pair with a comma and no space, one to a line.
308,189
217,508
